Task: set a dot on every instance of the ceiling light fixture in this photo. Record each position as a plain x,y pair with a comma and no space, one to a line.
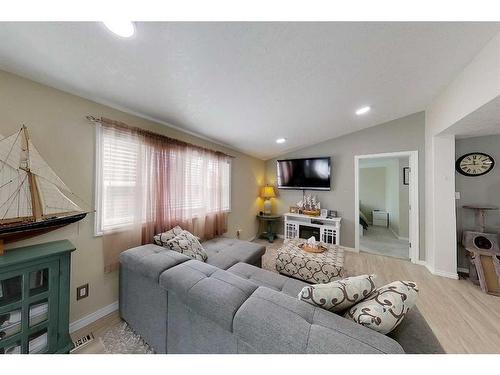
363,110
124,29
281,140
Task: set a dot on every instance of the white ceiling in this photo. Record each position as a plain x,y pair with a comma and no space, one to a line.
246,84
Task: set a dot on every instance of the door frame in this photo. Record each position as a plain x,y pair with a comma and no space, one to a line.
413,216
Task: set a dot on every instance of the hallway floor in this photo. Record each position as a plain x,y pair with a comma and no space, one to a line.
381,241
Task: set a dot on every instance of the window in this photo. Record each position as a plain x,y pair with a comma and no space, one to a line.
196,183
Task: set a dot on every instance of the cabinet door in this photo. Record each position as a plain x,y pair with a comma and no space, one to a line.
11,296
291,230
41,307
329,235
29,309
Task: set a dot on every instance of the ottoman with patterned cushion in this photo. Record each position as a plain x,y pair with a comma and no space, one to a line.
316,268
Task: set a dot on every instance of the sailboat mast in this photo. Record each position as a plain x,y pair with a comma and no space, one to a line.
36,202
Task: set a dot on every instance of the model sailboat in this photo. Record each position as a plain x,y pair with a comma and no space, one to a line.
33,199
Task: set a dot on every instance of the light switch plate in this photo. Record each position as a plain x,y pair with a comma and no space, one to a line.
457,195
82,292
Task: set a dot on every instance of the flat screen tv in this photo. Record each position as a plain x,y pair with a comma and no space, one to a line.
304,174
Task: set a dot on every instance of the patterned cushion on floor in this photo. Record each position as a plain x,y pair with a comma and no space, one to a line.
162,238
340,294
386,307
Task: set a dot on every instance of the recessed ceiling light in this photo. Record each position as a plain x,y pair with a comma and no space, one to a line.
363,110
122,28
281,140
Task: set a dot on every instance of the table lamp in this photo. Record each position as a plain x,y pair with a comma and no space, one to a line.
266,193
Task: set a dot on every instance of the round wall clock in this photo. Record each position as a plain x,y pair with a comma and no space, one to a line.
474,164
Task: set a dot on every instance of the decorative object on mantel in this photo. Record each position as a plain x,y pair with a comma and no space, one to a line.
311,246
267,192
33,199
309,205
294,210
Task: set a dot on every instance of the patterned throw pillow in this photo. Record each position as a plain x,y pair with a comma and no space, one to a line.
386,307
161,238
340,294
187,244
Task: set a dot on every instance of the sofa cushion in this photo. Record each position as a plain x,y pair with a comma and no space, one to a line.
226,252
151,260
187,244
211,292
338,295
415,335
385,309
268,279
273,322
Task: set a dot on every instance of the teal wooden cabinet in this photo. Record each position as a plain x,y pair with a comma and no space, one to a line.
34,299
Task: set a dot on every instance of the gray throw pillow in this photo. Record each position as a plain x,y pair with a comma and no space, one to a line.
339,294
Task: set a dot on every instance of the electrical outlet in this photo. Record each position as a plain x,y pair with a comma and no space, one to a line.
82,292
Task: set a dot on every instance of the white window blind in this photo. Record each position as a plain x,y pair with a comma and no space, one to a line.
199,183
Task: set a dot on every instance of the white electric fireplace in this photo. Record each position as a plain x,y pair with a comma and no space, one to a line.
323,229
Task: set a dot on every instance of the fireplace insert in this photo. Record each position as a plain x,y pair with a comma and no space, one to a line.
306,232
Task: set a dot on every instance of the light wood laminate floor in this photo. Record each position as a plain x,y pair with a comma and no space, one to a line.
464,319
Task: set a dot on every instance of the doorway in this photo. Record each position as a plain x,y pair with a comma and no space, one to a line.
386,203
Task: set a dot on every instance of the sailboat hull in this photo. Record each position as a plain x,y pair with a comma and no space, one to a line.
19,231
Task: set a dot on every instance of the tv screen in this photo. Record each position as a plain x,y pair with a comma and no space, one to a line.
306,174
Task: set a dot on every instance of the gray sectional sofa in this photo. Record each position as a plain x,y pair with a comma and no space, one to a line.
230,305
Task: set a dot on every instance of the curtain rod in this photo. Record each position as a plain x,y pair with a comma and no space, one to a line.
104,120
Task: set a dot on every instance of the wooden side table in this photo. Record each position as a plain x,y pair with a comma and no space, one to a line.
270,234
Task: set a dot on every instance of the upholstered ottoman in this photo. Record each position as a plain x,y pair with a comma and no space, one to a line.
314,268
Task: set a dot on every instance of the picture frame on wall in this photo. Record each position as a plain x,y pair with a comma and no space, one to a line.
406,175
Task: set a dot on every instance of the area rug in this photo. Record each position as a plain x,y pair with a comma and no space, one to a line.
121,339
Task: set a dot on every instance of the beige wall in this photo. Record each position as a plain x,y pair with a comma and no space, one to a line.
372,190
403,134
57,125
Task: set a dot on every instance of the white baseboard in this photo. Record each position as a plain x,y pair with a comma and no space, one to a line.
91,318
398,236
449,275
421,262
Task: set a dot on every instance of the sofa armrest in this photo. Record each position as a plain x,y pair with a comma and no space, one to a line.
272,322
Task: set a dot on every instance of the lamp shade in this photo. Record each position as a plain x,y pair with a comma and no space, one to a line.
267,192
